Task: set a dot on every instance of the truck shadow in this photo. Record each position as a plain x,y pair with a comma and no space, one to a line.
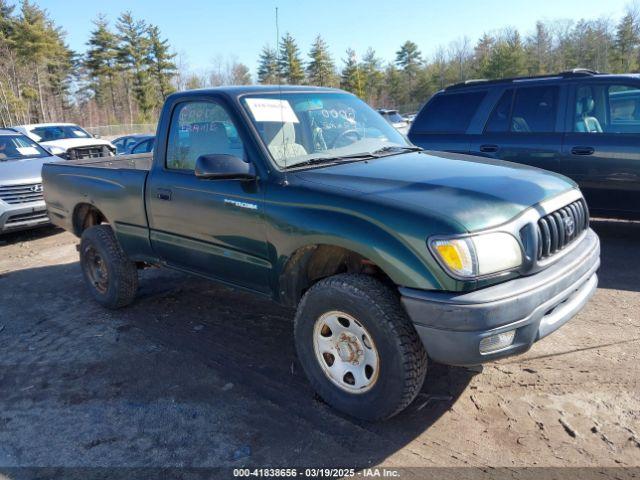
198,358
29,235
620,262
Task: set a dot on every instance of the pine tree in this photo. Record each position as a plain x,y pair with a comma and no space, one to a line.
35,40
162,68
101,62
321,69
507,57
6,21
482,54
396,86
268,70
539,51
626,42
409,58
60,66
289,63
133,54
351,78
373,77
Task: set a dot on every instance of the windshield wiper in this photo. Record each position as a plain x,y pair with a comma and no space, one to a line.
321,160
381,152
393,149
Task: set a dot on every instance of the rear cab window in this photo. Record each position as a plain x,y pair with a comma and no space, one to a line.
448,113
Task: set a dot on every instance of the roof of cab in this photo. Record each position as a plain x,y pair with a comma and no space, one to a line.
240,90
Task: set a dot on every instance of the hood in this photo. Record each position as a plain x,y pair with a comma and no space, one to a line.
28,170
476,192
67,143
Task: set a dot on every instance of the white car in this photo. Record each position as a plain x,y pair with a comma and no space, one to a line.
395,119
67,140
21,195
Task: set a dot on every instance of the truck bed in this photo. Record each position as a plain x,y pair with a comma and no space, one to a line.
113,185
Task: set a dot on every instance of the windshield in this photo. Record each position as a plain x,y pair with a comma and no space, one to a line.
297,127
59,132
394,117
18,147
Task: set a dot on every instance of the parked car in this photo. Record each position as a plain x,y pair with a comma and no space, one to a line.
125,143
410,117
21,199
67,140
581,123
389,254
395,119
143,146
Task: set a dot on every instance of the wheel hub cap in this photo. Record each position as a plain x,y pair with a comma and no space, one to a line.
349,349
346,352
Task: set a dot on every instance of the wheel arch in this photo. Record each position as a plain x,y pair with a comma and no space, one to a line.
86,215
312,262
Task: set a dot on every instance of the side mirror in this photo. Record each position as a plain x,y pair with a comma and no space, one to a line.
223,167
95,135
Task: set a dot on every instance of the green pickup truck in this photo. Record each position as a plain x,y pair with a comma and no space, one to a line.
391,255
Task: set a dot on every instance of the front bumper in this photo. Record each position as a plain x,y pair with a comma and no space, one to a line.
451,325
22,216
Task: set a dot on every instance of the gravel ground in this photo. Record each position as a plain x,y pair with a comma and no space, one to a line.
197,375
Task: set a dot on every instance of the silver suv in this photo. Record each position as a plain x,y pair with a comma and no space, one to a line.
21,197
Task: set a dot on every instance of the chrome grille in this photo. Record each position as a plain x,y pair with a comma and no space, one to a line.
15,194
558,229
27,217
87,152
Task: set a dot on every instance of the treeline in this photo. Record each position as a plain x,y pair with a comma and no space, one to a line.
129,68
123,77
411,78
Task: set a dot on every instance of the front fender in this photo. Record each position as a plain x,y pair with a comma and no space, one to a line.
391,239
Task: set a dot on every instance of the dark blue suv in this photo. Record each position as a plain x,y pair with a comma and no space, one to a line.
581,123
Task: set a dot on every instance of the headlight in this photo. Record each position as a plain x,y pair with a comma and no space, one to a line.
478,255
57,150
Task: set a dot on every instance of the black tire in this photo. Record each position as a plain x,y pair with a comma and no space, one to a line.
111,277
402,358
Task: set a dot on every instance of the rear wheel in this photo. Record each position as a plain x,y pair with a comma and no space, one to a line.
358,347
112,278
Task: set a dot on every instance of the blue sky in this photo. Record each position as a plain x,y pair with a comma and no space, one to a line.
205,29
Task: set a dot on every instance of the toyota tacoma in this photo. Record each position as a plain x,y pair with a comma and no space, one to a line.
391,255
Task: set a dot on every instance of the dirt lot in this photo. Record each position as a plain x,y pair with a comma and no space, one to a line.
194,374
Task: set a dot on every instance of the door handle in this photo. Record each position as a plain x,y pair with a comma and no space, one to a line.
489,148
583,150
163,194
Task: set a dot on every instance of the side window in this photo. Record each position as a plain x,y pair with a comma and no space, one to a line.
448,113
200,128
624,109
499,119
143,147
535,109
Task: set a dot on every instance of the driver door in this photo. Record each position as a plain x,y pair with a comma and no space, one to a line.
210,227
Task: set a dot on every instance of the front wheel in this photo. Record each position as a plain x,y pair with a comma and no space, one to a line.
358,347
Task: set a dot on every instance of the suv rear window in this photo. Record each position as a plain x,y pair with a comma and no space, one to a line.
448,113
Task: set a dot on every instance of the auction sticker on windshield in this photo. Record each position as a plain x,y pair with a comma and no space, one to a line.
271,110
